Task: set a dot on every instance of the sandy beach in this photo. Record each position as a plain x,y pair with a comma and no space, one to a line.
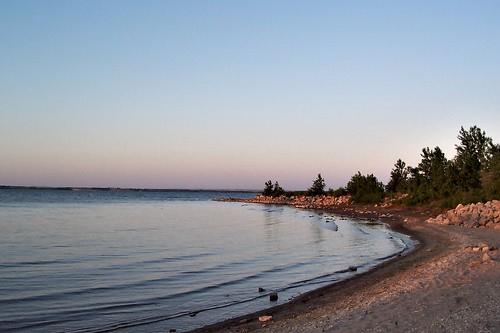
444,285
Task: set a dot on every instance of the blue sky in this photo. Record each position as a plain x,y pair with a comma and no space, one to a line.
227,94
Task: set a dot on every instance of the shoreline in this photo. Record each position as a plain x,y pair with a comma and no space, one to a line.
307,312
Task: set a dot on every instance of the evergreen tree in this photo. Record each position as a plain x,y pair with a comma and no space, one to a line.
268,188
318,186
490,175
365,189
473,152
278,190
434,169
399,177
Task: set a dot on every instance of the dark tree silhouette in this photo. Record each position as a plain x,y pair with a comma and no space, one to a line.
317,187
268,188
399,177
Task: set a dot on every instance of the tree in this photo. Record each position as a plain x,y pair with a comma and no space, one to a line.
268,188
490,175
365,189
399,177
473,152
277,190
434,169
318,186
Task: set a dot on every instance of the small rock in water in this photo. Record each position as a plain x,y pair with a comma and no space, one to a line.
273,297
172,330
261,290
353,268
265,318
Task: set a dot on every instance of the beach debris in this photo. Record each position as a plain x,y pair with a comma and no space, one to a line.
263,319
261,290
273,297
353,268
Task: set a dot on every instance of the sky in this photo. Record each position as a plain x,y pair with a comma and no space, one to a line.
228,94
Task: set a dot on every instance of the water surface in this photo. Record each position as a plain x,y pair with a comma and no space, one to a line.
97,261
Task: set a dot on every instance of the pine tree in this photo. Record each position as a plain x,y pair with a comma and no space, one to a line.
318,186
268,188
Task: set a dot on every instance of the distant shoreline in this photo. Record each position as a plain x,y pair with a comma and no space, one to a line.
132,189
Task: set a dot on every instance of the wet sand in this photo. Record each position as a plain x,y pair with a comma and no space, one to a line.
439,287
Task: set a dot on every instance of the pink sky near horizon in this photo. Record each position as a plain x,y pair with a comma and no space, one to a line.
181,94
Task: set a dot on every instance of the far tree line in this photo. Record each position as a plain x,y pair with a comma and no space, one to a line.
473,175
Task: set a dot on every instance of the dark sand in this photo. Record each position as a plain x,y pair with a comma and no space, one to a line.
439,287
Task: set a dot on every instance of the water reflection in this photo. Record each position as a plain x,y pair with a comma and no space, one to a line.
91,265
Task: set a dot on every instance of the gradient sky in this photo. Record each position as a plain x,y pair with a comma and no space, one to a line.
227,94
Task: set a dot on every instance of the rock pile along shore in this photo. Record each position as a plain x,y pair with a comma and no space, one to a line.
302,201
472,216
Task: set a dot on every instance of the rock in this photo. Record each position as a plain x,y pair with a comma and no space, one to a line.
485,249
353,268
476,248
263,319
486,257
172,330
273,297
261,290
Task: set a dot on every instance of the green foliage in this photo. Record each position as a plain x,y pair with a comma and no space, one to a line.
317,187
273,191
268,188
399,178
490,175
277,190
365,189
338,192
472,176
473,152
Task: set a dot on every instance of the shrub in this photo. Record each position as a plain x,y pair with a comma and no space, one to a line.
365,189
338,192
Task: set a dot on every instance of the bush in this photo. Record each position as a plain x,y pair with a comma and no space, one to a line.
365,189
338,192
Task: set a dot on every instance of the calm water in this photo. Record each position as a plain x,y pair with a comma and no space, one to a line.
97,261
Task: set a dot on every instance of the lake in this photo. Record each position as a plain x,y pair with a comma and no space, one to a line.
149,261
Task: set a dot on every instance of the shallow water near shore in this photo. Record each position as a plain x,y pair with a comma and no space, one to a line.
132,261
